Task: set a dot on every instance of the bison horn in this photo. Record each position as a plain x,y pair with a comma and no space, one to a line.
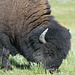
42,36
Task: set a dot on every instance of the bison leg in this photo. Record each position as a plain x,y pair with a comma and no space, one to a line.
5,64
5,49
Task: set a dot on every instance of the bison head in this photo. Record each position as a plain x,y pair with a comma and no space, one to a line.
48,44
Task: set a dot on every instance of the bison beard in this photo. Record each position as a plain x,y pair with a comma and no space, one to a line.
27,27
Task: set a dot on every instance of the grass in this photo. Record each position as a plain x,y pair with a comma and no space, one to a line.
64,12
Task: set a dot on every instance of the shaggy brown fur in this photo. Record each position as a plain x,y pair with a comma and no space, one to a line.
23,15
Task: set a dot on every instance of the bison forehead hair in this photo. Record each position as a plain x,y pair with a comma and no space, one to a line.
27,27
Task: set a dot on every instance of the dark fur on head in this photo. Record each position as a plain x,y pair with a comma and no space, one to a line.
55,50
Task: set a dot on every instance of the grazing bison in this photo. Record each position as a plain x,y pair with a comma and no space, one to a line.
27,27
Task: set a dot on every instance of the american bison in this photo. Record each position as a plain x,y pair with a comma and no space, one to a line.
27,27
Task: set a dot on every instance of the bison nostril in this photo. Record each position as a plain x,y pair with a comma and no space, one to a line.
51,71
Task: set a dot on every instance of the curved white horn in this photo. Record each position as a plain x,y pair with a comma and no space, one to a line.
42,36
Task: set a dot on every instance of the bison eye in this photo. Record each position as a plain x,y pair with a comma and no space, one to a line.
50,53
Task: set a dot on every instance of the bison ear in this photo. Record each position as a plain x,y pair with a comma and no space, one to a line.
42,36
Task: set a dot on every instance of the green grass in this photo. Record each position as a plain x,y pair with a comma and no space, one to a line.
64,12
